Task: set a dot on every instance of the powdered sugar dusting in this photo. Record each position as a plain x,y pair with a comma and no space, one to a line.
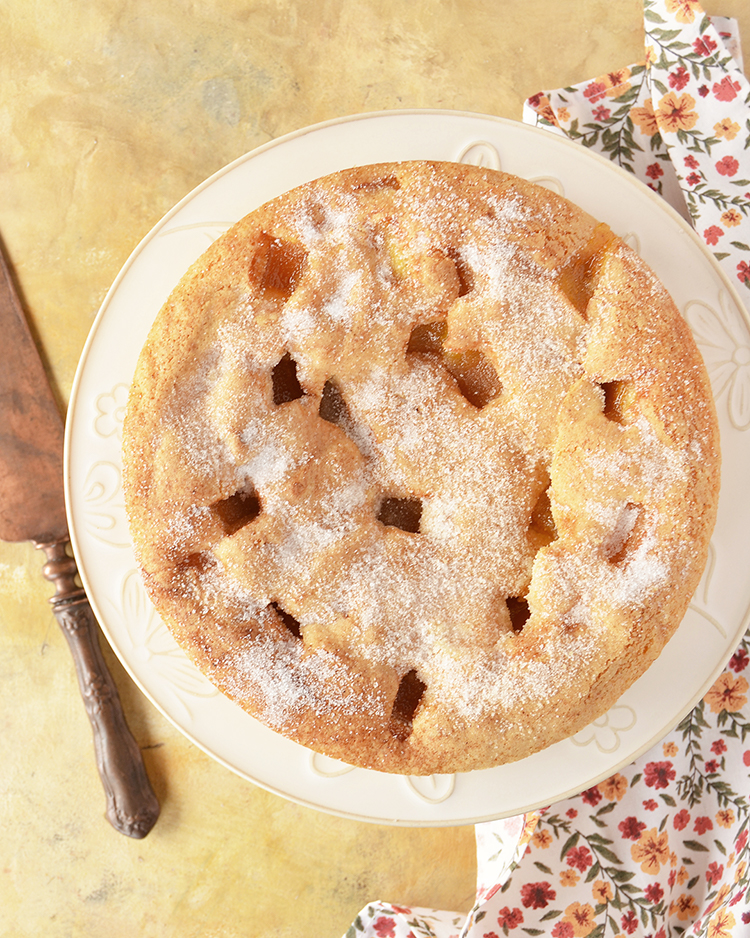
371,417
644,573
271,464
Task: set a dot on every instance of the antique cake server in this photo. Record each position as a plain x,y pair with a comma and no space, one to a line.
32,508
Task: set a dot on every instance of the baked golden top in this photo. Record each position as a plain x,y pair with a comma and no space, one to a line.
421,464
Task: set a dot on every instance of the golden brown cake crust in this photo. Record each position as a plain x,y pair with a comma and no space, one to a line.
421,464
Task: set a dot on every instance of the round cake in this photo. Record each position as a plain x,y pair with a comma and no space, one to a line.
421,465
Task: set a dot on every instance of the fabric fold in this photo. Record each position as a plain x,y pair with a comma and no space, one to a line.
679,121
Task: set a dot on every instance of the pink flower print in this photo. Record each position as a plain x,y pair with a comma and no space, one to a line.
711,766
650,805
738,662
718,747
703,91
705,45
595,91
658,774
631,828
746,757
580,858
726,89
714,873
743,273
741,841
385,927
592,796
679,78
563,930
693,179
654,893
602,113
571,813
509,918
691,162
537,895
703,824
629,922
681,820
654,171
727,166
711,235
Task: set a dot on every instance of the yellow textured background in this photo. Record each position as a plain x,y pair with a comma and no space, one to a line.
110,112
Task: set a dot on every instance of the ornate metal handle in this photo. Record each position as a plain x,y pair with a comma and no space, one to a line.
132,807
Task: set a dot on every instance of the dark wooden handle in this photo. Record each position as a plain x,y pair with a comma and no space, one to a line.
132,807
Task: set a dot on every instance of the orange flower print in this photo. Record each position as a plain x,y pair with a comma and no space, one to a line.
670,749
676,112
542,839
721,925
614,787
684,10
725,817
731,218
651,851
602,892
684,908
540,103
719,899
569,878
645,119
682,875
616,83
530,822
727,129
563,114
581,917
728,693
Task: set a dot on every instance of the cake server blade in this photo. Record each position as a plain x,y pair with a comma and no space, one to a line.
32,508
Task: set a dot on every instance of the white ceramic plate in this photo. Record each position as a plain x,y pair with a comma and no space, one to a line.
692,660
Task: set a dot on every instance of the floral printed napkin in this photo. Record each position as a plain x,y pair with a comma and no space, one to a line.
679,121
662,848
657,850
